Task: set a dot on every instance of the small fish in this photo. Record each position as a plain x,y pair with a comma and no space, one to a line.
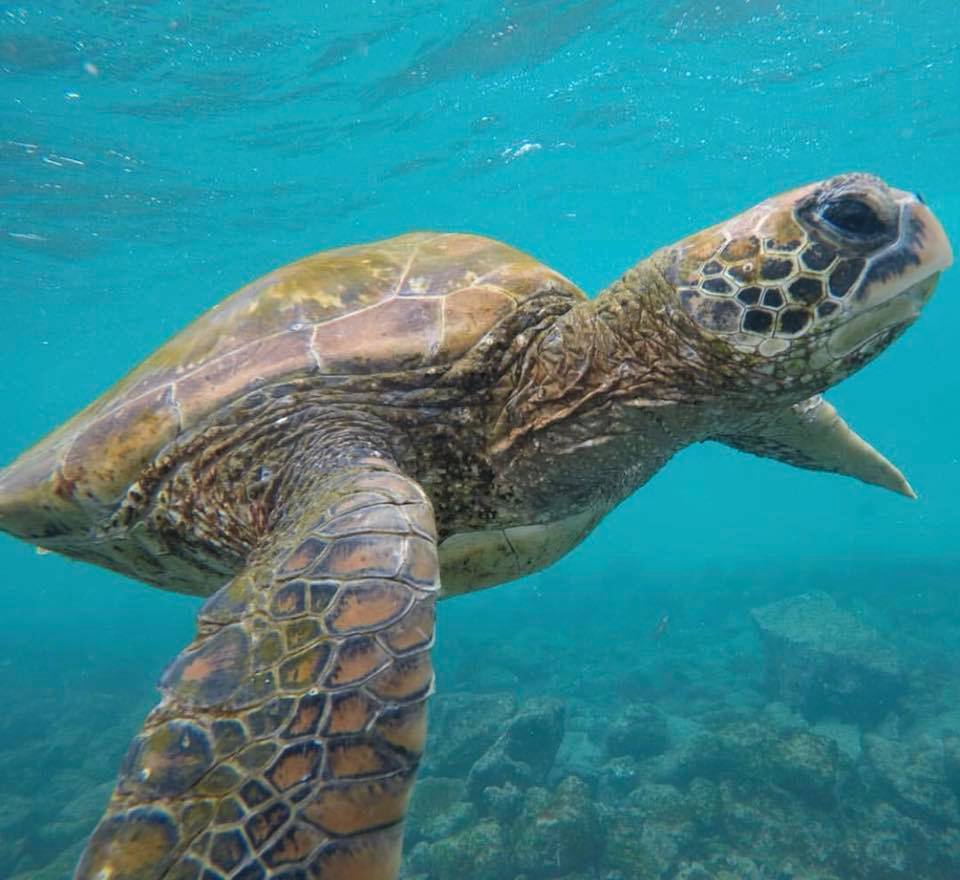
659,631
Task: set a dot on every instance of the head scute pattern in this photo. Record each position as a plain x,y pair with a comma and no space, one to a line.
796,265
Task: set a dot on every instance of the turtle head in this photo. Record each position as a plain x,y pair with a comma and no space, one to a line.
811,284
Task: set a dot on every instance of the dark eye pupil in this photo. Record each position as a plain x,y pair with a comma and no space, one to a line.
852,215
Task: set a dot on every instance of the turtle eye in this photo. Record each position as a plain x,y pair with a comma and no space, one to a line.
852,217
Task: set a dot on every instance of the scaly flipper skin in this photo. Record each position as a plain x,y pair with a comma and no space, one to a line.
290,730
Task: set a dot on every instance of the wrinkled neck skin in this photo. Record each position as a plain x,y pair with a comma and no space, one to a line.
618,385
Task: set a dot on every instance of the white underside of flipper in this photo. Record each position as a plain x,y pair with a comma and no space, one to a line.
811,434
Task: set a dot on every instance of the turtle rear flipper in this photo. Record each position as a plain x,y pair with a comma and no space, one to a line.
812,435
290,729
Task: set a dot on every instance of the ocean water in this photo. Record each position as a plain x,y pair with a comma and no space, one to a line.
154,156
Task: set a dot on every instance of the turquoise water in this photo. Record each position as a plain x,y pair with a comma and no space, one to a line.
155,156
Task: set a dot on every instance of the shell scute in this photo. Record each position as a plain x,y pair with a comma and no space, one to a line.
241,371
396,334
36,497
99,461
467,312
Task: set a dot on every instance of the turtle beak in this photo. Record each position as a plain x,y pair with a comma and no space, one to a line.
895,296
925,251
934,251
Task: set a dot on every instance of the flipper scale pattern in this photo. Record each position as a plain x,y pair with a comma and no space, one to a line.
290,730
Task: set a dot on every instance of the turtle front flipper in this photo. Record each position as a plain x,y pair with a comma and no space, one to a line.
812,435
289,731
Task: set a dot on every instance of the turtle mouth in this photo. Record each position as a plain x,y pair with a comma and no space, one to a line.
885,306
893,314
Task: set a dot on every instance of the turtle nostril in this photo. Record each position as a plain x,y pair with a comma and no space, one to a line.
920,198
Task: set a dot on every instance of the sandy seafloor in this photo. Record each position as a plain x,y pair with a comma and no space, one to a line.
155,156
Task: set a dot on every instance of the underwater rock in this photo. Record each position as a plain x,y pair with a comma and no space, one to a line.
558,832
704,805
525,751
846,736
580,754
475,853
807,765
661,803
626,851
535,733
783,718
438,808
765,832
618,777
503,802
693,871
888,845
824,661
658,823
916,780
799,761
462,727
640,732
733,866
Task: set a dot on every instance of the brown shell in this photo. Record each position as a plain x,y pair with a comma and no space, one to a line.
413,301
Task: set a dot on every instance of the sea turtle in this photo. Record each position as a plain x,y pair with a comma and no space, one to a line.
352,436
